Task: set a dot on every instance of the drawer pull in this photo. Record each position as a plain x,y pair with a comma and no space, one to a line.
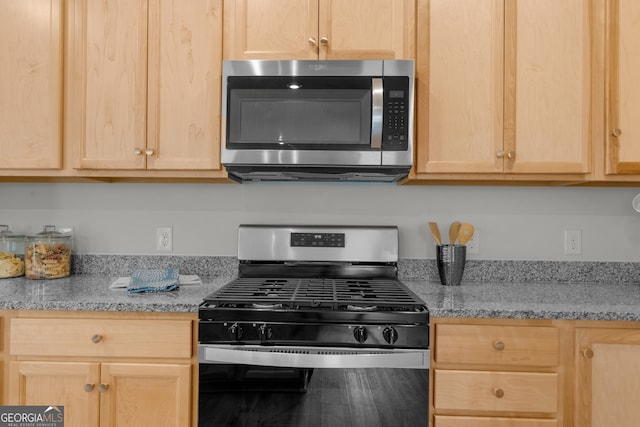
498,392
587,353
498,345
89,387
96,339
103,387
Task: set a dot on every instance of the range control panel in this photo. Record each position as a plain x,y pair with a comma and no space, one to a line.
328,240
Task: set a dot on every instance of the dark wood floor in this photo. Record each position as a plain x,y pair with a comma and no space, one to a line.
334,398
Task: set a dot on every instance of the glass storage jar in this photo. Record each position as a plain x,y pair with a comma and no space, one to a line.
11,253
47,254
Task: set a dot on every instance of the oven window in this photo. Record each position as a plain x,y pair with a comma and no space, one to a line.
318,114
239,395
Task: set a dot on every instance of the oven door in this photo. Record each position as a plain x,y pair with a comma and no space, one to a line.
289,386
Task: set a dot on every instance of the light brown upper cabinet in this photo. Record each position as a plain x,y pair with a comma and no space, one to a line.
319,29
31,84
146,84
504,88
623,60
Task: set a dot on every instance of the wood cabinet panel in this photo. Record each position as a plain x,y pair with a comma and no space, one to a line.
93,337
498,345
31,84
455,421
58,383
623,130
459,390
607,373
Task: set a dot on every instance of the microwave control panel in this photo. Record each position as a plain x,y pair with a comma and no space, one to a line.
395,127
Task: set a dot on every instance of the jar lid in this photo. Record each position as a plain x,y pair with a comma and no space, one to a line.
5,233
50,232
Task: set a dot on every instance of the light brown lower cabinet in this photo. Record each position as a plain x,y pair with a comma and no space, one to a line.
453,421
121,371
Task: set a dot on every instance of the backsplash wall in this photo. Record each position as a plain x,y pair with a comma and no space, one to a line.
514,223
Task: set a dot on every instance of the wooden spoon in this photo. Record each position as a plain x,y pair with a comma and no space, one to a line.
435,232
454,229
465,234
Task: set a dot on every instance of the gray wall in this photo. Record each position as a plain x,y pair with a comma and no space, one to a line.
514,223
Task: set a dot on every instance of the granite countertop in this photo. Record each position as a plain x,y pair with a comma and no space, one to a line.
549,300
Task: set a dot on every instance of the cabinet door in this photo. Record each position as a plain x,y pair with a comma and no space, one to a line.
58,384
31,84
623,139
156,395
459,83
110,89
548,86
366,29
185,61
275,29
607,370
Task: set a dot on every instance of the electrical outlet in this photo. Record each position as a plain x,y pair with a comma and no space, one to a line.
473,245
164,239
572,242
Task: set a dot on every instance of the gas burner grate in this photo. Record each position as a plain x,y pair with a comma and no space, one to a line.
326,293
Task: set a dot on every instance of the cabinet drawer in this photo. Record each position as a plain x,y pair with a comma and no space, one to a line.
495,391
101,337
446,421
499,345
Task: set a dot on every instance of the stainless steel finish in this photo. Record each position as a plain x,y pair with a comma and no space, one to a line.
89,387
349,161
313,357
500,154
324,41
362,243
149,151
137,151
312,41
103,387
377,94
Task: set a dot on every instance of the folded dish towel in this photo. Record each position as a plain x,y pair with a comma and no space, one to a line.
158,280
183,280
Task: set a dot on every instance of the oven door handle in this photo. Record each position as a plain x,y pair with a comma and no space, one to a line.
377,98
313,357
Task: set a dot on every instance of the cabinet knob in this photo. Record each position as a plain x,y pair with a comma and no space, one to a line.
498,345
312,41
149,151
511,155
103,387
324,41
96,339
616,132
498,392
587,353
137,151
89,387
500,154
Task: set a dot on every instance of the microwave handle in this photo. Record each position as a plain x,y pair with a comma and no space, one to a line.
377,92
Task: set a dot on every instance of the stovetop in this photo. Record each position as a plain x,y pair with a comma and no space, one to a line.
316,293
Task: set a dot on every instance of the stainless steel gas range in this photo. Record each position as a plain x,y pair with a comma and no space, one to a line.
310,301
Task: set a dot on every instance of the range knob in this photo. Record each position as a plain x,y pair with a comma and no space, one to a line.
390,335
360,334
235,332
265,332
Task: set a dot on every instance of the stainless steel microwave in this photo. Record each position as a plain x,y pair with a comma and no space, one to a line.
339,120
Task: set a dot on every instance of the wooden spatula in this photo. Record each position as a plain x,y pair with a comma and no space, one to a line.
454,229
435,232
465,234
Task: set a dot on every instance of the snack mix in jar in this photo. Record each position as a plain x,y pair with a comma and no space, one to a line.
11,252
48,254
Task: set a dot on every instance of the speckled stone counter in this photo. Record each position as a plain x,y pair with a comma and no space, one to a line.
91,292
550,300
519,300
